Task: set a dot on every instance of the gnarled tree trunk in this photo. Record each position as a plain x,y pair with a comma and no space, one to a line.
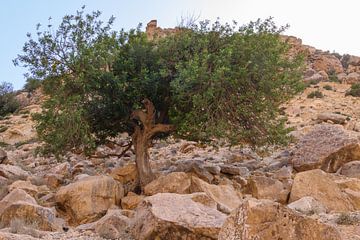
141,138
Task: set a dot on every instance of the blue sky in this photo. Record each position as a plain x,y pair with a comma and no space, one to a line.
325,24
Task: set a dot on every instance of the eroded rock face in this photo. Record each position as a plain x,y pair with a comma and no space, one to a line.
176,182
3,155
112,225
225,196
89,199
176,216
321,186
24,185
127,176
12,172
262,187
327,147
264,219
20,206
40,217
308,205
327,63
131,201
351,169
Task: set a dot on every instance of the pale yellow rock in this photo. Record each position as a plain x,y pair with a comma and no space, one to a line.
176,182
89,199
24,185
224,195
176,216
264,219
321,186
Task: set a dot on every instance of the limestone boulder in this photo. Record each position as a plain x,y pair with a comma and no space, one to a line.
20,132
321,186
262,187
89,199
14,196
351,169
24,185
32,214
264,219
176,182
127,176
327,63
112,225
20,206
12,172
333,117
176,216
352,78
226,197
131,201
327,147
308,206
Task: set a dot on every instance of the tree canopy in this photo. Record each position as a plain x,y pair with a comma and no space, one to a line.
206,80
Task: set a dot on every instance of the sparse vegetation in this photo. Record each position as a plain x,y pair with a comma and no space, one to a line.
8,102
354,90
328,87
315,94
32,84
333,76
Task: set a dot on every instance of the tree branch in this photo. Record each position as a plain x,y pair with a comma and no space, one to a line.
114,154
160,128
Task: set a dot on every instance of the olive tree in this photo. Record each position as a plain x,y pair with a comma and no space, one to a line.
202,82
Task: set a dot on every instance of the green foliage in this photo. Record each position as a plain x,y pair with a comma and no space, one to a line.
328,87
70,62
232,83
32,84
315,94
354,90
219,81
8,102
333,76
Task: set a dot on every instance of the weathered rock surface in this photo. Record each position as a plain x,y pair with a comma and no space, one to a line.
333,117
20,206
127,176
40,217
89,199
176,182
264,219
262,187
131,201
3,155
14,196
24,185
322,187
12,172
308,206
176,216
225,196
112,225
327,63
351,169
327,147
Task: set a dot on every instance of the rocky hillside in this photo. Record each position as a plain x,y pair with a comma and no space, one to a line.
308,190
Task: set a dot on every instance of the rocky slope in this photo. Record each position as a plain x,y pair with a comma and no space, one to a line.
308,190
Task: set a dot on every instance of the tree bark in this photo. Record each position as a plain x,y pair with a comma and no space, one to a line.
141,138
